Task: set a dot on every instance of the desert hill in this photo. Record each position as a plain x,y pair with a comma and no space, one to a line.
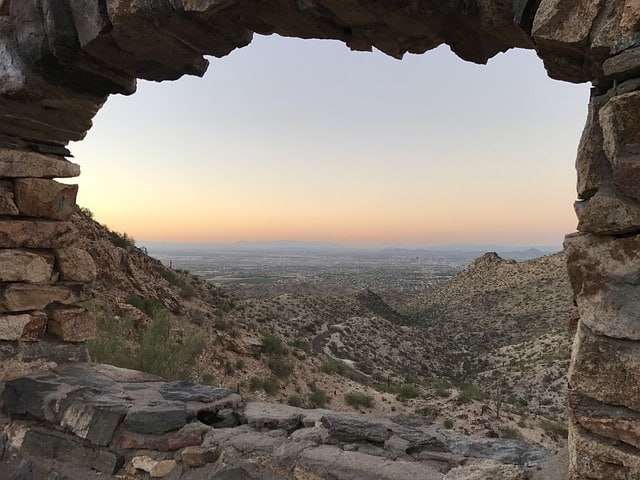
484,353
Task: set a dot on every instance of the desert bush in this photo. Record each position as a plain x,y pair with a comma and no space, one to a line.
317,398
448,423
122,240
408,391
332,367
359,399
512,433
255,383
164,354
158,351
303,345
272,345
280,367
112,345
270,385
295,401
470,392
146,305
554,429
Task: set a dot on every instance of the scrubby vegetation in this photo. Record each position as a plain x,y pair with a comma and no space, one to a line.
158,350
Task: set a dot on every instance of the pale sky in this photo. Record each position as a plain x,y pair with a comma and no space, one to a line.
292,139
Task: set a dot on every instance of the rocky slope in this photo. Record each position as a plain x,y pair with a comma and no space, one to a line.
477,354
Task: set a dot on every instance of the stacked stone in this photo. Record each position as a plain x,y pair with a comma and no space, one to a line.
604,267
43,272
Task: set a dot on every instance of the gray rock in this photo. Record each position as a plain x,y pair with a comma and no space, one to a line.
332,462
502,450
348,428
157,418
268,416
46,443
486,470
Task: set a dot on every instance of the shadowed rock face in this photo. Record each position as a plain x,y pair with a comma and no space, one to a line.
59,60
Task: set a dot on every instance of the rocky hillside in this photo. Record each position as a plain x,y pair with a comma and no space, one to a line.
484,354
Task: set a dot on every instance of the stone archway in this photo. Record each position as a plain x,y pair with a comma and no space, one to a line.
60,59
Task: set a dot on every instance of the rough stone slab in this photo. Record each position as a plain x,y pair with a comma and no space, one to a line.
155,468
595,458
96,423
46,443
269,416
606,369
37,234
190,435
354,428
332,462
20,297
486,470
514,452
592,166
158,417
608,213
623,65
44,198
610,421
25,266
21,164
605,277
7,203
76,265
561,31
620,125
28,327
75,324
194,456
54,351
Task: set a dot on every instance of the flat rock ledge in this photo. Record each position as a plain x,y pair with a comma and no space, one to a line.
91,421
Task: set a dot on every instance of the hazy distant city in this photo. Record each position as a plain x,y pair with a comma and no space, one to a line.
249,268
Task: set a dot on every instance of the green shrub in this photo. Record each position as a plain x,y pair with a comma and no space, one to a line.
332,366
158,351
512,433
280,367
111,346
469,392
303,345
122,240
272,345
187,291
161,353
408,391
295,401
555,429
317,398
270,385
359,399
448,423
146,305
255,384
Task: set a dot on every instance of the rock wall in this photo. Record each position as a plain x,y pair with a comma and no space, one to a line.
43,273
60,59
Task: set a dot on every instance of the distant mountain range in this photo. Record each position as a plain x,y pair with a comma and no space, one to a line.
310,248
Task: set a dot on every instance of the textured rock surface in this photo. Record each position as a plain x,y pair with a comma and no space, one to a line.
25,326
486,470
43,198
25,266
84,415
605,276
